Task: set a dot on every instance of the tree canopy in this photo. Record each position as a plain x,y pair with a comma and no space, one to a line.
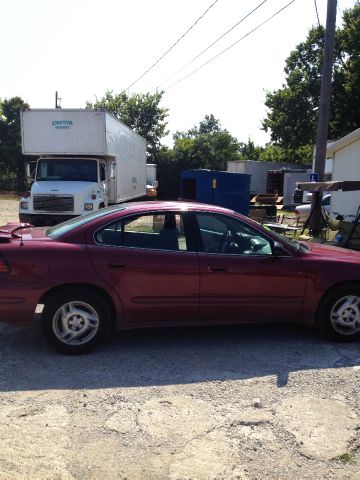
205,146
141,112
293,109
11,158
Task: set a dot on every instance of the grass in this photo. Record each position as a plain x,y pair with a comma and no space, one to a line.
345,457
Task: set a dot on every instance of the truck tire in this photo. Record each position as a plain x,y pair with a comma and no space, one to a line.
338,317
75,321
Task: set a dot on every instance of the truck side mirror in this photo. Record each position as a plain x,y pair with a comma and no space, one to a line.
28,172
112,171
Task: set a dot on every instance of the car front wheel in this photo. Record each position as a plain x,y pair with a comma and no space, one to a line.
339,314
75,322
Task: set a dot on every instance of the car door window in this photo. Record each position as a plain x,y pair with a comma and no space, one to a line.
227,235
151,231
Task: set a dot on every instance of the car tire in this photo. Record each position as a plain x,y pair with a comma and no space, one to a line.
75,322
338,316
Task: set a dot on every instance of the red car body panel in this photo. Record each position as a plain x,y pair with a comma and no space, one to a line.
155,287
160,289
252,288
37,266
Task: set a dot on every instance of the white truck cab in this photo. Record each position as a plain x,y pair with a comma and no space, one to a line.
88,160
64,188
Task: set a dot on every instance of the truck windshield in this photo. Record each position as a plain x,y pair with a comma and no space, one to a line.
70,170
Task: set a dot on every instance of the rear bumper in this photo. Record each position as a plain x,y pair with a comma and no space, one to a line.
40,220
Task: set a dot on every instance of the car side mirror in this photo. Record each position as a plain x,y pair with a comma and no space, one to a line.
278,250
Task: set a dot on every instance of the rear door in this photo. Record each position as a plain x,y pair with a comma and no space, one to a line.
149,260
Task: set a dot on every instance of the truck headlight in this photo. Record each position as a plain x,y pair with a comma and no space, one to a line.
24,205
88,206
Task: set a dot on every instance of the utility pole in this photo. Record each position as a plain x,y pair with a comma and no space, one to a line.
57,100
317,222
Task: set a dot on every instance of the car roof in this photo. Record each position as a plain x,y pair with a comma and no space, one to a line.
135,207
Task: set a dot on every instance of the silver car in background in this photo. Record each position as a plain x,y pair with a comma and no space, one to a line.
302,212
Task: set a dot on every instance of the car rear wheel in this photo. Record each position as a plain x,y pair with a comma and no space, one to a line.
75,322
339,314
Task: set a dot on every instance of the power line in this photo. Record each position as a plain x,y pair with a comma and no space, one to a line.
172,46
317,13
232,45
207,48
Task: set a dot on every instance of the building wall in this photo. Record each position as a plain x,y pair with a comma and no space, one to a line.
258,171
346,166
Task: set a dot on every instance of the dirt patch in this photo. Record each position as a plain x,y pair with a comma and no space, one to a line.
9,208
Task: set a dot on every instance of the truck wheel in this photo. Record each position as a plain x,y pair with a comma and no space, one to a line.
338,316
75,322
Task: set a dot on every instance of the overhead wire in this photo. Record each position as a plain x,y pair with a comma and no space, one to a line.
317,14
172,46
207,48
230,46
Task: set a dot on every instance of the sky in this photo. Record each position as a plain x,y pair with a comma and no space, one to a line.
82,48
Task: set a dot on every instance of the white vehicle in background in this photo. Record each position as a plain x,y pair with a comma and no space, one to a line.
151,181
87,160
302,212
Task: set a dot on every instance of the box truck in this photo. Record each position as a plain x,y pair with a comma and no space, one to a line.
87,160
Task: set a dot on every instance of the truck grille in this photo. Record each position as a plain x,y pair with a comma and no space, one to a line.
54,203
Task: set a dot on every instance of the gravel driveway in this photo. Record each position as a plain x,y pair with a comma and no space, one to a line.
245,402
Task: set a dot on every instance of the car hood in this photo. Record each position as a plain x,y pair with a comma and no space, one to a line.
335,253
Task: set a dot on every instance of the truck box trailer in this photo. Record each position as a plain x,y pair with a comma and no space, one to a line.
87,160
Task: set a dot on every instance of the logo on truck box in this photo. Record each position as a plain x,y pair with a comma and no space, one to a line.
62,124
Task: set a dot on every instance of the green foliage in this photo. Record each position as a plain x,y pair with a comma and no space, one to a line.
205,146
346,458
275,153
250,151
293,109
141,112
11,158
168,174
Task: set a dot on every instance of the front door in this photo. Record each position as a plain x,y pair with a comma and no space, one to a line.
240,279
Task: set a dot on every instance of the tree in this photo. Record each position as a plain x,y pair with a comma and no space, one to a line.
205,146
292,116
250,151
141,112
11,158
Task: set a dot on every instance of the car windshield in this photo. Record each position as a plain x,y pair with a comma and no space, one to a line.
66,227
69,170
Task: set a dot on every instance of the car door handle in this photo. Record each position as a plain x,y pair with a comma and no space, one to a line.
217,268
116,265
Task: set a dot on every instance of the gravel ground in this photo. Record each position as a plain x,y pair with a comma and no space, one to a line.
245,402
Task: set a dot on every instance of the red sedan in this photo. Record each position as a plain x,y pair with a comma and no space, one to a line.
170,263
